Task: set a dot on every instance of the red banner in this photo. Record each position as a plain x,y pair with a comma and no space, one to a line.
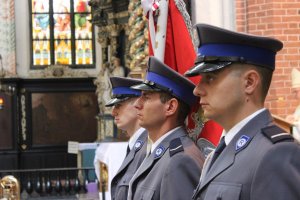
180,55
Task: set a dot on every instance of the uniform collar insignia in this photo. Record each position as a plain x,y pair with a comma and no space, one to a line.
159,151
242,142
138,145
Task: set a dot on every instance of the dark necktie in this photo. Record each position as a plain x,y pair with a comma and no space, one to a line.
128,150
218,151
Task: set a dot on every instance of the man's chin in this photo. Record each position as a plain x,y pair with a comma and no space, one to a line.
208,115
119,126
142,124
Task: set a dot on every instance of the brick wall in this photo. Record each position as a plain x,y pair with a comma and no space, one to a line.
279,19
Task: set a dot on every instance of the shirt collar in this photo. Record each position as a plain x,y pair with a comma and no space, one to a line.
134,137
234,130
155,144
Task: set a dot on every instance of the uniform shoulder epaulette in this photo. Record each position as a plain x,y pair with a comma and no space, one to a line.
276,134
175,146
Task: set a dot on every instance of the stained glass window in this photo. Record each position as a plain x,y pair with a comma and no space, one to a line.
62,33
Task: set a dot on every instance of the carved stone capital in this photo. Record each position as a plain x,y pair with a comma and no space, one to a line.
6,74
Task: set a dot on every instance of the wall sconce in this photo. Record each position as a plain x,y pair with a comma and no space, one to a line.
1,103
8,89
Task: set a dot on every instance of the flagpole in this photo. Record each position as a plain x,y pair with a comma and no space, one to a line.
157,34
160,36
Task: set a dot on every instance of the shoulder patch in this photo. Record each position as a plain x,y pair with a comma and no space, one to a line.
276,134
175,146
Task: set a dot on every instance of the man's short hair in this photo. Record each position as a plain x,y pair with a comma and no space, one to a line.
183,109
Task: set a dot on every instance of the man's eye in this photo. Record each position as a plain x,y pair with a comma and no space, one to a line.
145,97
118,105
211,78
208,78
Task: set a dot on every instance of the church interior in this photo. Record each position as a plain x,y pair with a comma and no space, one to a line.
56,57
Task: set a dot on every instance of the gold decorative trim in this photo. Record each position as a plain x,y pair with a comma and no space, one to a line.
122,14
137,38
23,118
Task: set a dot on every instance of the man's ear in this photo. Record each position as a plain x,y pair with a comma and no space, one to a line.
251,81
171,106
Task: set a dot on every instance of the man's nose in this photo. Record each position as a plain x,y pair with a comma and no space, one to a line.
114,111
138,103
198,90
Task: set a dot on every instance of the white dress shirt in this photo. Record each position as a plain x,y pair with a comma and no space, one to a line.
234,130
134,137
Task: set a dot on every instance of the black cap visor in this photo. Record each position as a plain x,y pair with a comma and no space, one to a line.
151,86
205,67
205,64
115,101
145,87
118,98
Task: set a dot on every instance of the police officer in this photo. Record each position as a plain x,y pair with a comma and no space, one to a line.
172,169
256,159
125,117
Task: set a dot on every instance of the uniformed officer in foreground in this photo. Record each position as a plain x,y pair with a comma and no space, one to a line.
125,117
257,159
172,170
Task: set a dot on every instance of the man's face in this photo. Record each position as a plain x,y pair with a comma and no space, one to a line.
220,94
151,111
125,114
